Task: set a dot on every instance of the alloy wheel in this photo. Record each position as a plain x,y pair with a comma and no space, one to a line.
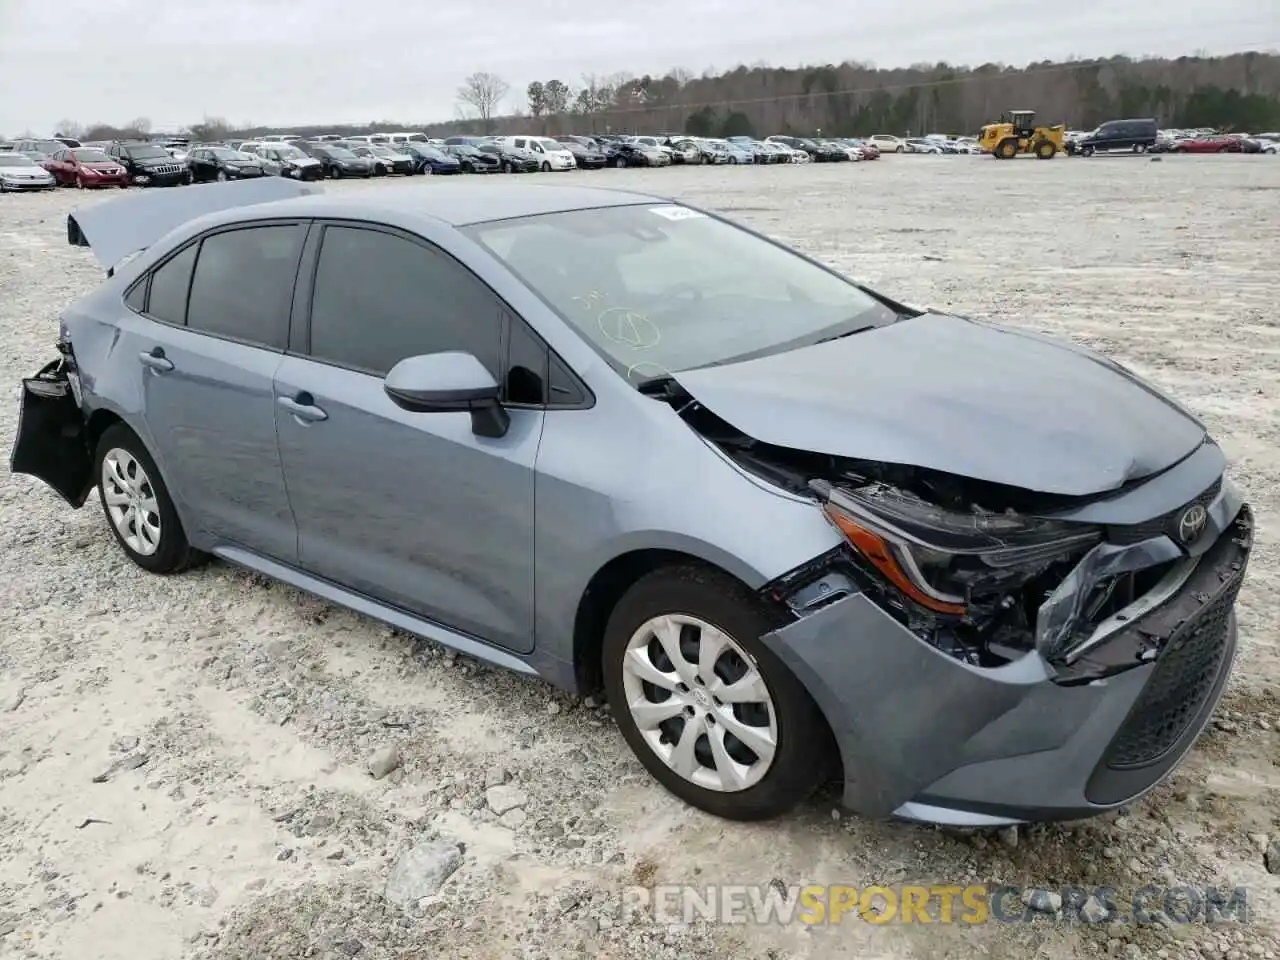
700,703
131,501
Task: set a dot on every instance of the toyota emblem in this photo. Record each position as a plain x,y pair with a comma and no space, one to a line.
1192,523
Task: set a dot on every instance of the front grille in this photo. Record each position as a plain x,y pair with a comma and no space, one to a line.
1166,523
1185,674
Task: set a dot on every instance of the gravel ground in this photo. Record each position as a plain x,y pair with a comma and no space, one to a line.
232,721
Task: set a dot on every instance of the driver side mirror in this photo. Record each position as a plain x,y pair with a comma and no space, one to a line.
444,382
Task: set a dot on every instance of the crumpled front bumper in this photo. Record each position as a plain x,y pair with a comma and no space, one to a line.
924,736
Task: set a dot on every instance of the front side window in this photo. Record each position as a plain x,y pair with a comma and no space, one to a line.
380,298
242,288
660,288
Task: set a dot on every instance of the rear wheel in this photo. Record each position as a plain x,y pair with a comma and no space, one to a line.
222,176
79,182
1046,150
619,161
335,173
137,505
711,712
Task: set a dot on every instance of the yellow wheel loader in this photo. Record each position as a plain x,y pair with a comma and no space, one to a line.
1017,133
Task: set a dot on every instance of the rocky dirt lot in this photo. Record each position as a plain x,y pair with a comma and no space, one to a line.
185,762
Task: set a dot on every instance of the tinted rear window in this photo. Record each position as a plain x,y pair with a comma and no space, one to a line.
169,285
243,284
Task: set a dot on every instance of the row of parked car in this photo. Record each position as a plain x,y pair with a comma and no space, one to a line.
1142,135
46,163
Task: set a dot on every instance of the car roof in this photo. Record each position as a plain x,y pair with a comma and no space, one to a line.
457,204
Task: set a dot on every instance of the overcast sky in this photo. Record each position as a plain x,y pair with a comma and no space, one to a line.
303,61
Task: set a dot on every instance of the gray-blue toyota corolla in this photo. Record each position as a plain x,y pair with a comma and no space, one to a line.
794,529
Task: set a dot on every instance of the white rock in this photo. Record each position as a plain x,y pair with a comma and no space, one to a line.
384,761
505,797
513,819
421,871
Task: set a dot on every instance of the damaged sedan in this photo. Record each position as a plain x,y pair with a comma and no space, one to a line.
794,529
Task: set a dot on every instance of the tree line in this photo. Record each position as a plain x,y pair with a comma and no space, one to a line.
1240,92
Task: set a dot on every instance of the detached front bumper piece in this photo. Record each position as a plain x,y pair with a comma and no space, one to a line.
924,736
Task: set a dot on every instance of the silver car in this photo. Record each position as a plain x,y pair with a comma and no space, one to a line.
793,528
20,172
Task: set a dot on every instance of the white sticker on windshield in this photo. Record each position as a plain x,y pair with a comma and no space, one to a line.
676,213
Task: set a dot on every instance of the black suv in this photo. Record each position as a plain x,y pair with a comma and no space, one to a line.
149,164
1135,135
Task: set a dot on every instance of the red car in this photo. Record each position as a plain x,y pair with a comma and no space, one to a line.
1216,143
86,167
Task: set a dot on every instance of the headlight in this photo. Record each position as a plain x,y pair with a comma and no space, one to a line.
939,557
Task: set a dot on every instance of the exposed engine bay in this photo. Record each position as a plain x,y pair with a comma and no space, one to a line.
979,570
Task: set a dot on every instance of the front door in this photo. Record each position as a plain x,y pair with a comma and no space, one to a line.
412,509
214,325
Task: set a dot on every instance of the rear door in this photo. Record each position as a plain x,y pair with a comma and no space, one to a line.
217,321
412,509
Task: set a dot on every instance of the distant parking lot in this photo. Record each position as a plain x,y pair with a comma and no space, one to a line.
252,829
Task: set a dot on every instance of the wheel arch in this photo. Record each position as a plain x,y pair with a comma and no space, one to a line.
608,585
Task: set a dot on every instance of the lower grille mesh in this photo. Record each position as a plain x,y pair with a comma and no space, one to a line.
1184,676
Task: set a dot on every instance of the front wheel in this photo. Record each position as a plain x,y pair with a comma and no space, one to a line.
1046,150
546,166
711,712
335,173
137,505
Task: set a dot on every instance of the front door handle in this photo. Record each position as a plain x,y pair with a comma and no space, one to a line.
156,360
303,407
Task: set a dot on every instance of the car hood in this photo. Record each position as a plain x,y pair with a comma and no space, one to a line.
959,396
117,228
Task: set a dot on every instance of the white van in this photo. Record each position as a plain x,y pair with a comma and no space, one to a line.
550,154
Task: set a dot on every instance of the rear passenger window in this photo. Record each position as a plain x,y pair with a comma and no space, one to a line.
136,298
169,284
379,298
243,284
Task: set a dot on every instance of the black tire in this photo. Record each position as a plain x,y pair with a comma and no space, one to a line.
800,762
1045,150
335,173
1006,149
619,161
173,553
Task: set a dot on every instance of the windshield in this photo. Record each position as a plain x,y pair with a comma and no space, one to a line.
15,160
90,156
48,146
148,153
489,148
340,153
431,153
286,153
222,153
661,288
550,145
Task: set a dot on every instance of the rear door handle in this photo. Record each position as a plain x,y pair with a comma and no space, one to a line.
303,407
156,360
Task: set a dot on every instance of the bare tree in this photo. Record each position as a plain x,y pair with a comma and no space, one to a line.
483,92
139,125
211,129
69,128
